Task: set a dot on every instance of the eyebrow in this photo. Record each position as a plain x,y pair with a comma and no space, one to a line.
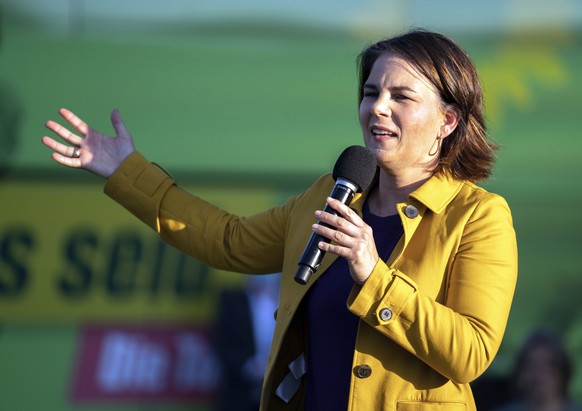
392,89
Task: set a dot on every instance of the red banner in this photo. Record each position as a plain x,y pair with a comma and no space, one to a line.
144,364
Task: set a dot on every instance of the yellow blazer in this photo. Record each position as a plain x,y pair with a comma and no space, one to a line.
431,317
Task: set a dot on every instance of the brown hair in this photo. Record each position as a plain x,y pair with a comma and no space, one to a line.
466,153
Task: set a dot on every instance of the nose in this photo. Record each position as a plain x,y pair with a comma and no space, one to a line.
381,107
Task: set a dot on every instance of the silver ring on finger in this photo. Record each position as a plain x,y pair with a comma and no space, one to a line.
76,152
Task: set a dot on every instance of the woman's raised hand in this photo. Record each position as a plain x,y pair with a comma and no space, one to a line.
88,149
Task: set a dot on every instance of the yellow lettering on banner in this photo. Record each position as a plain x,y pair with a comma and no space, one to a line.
69,253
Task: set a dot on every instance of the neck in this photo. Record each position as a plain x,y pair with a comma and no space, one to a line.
393,189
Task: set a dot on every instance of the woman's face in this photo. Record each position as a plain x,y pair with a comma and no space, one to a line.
402,116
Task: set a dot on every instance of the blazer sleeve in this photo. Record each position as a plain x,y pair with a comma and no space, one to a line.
222,240
460,336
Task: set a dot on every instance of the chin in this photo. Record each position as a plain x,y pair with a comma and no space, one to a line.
381,153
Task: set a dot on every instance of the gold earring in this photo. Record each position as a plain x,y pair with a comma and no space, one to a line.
437,140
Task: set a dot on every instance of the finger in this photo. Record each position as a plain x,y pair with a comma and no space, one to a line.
57,147
64,133
334,249
118,125
336,221
75,121
345,211
340,237
66,161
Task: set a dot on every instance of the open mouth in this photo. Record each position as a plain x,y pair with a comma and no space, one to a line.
382,132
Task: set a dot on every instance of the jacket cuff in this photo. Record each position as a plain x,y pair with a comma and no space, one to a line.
139,186
383,297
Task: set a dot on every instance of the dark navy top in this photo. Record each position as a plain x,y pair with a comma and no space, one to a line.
332,328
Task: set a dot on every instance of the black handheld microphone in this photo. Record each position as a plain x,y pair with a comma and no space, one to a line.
353,172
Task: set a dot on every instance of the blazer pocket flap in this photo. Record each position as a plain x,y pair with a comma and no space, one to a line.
430,406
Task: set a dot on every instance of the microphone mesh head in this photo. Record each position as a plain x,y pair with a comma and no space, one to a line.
357,165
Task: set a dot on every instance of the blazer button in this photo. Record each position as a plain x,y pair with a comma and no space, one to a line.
363,371
411,211
385,314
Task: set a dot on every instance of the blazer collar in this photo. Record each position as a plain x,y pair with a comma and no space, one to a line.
435,194
438,191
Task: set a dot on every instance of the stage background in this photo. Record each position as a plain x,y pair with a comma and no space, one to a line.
245,103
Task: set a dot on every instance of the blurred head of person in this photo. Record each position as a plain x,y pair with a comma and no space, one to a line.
543,369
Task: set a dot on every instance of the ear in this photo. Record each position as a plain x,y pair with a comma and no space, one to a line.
450,121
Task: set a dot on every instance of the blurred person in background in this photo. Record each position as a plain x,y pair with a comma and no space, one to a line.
412,300
10,116
244,327
541,376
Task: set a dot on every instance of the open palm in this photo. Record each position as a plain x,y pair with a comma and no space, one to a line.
97,153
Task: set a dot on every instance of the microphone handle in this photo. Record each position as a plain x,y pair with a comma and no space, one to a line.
312,255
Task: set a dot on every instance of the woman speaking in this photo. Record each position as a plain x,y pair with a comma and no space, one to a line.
411,301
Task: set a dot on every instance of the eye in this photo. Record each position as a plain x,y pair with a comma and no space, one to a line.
370,93
399,97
